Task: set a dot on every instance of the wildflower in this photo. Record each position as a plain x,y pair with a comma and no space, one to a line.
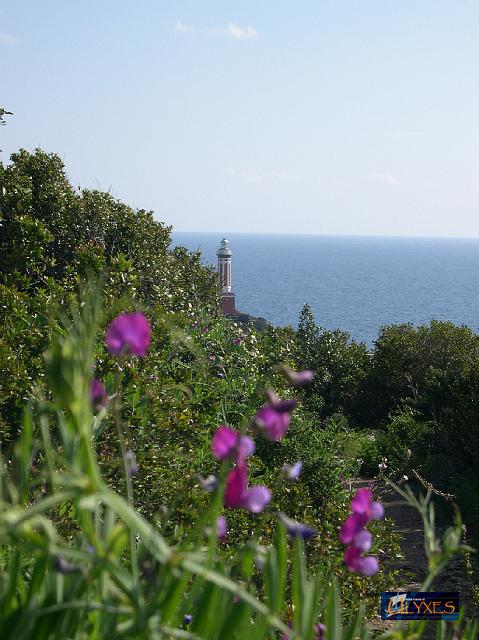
362,503
99,396
319,632
367,565
296,529
273,419
352,526
227,441
363,540
212,357
297,378
187,619
129,333
293,471
221,528
239,496
132,465
63,566
356,536
209,483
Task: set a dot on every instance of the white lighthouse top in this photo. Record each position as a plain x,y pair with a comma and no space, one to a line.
224,250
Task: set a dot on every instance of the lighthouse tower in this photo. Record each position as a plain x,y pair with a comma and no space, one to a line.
224,254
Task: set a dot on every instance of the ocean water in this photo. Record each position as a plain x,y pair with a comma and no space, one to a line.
357,284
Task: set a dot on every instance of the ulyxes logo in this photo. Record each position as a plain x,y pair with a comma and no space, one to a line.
420,605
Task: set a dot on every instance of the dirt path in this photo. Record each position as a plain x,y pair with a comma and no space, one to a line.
413,567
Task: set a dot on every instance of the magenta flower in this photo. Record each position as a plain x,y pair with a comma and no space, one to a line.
352,526
356,536
297,378
128,333
98,394
293,471
239,496
273,419
221,528
362,503
227,442
296,529
367,565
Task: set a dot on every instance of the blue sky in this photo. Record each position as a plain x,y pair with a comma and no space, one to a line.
337,117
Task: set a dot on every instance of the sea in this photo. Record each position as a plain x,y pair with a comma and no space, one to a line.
354,283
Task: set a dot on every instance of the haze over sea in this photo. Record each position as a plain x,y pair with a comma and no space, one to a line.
354,283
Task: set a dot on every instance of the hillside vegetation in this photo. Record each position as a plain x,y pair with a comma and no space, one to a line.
71,261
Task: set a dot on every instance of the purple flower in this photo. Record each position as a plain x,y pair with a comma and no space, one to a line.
187,619
208,484
273,419
363,540
320,631
99,396
128,333
297,378
352,526
293,471
296,529
221,528
132,465
227,442
367,565
356,536
239,496
63,566
362,503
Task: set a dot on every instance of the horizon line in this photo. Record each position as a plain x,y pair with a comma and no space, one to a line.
328,235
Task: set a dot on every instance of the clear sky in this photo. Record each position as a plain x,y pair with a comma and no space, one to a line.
315,116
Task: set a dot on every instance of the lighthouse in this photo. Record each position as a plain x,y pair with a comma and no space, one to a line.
224,254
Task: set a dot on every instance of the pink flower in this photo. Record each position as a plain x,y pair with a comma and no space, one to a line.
367,565
98,394
297,378
356,536
273,419
227,442
128,333
352,526
221,528
239,496
362,503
